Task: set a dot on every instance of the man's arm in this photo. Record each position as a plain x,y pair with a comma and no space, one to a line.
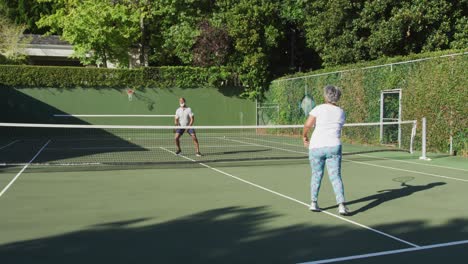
192,120
176,119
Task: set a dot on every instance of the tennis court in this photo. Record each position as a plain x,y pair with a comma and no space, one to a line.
119,194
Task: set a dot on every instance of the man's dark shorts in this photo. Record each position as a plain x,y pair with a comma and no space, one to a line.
189,131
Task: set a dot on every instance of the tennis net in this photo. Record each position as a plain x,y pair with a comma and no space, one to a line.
68,145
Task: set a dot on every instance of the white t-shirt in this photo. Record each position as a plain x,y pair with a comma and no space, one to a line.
329,121
184,115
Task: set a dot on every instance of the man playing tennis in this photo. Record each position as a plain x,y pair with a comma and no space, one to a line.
185,118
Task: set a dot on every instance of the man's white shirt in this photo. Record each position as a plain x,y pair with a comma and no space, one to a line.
184,115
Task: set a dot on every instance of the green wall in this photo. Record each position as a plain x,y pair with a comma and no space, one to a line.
212,106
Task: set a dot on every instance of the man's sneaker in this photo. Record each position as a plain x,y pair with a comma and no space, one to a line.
198,154
178,152
314,207
342,209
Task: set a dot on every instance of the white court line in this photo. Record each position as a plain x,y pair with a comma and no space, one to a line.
275,142
411,162
295,200
9,144
411,171
265,146
360,162
25,166
369,156
72,115
136,147
390,252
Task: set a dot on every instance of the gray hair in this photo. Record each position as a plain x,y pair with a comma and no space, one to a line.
332,94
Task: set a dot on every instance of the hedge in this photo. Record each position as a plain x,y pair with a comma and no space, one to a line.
435,88
69,77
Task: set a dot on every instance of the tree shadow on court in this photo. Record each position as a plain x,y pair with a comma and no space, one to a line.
24,143
225,235
387,195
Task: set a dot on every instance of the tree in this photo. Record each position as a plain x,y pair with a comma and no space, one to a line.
344,31
100,31
26,12
12,43
212,46
175,29
255,28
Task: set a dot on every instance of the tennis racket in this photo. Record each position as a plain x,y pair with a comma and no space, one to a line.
307,104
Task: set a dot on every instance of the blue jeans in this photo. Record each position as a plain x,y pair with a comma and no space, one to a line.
332,157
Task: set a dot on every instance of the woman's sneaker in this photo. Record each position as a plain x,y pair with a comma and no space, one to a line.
342,209
314,207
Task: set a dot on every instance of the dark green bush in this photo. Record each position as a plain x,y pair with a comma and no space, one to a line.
70,77
435,88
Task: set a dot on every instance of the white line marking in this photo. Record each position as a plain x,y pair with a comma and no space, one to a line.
135,147
54,164
60,115
295,200
275,142
21,171
120,127
9,144
406,161
369,156
390,252
411,171
265,146
364,163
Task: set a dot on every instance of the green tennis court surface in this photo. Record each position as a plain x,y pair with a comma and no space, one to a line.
229,206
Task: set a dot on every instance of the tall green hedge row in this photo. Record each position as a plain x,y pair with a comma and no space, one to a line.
69,77
436,89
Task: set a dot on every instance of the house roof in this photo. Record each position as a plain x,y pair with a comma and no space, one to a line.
46,40
48,46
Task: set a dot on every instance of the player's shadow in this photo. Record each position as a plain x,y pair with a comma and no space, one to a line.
388,195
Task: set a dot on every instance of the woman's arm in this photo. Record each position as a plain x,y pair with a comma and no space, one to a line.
310,122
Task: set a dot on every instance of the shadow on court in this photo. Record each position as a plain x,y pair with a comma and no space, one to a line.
387,195
18,145
226,235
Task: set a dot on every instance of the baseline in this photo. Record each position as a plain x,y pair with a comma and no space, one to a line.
390,252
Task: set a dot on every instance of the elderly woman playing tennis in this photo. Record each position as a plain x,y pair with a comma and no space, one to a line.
325,146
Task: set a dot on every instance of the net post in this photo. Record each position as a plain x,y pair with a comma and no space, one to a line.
256,110
423,132
413,135
381,115
451,146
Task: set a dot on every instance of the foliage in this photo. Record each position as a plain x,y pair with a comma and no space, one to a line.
100,31
258,39
255,28
11,41
70,77
212,46
352,31
26,12
175,28
435,89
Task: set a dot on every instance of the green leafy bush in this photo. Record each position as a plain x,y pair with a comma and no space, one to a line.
70,77
433,88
